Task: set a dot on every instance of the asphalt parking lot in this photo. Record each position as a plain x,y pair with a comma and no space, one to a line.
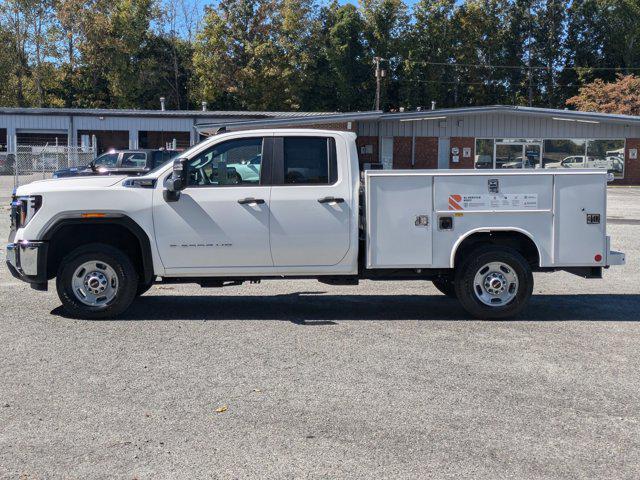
295,379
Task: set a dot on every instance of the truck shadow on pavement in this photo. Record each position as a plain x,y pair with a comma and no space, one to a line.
320,308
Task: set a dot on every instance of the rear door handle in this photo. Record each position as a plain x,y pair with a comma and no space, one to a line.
331,200
251,200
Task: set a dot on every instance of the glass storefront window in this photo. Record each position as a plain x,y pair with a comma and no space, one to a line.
563,153
581,153
508,156
484,153
556,153
607,154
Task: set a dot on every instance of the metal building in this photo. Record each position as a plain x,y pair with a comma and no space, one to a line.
36,141
112,128
473,137
484,137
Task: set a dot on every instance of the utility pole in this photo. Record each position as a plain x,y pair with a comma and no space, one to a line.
529,42
379,74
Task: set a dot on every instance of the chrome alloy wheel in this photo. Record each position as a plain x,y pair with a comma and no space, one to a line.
95,283
495,284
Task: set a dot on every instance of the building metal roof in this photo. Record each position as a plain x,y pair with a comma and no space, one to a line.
207,128
244,119
566,115
111,112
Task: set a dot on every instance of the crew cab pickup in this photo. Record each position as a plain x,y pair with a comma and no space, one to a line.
308,213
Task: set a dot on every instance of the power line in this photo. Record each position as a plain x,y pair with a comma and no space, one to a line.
516,67
489,81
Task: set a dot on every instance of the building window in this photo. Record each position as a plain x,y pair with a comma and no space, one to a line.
484,153
563,153
585,153
607,154
556,153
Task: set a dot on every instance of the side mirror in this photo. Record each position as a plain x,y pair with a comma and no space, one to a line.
177,182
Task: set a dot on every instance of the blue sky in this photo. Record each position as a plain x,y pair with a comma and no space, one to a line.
200,4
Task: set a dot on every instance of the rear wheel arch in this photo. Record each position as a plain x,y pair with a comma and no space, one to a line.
515,238
120,232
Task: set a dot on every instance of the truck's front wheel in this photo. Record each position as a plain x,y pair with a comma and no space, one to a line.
494,282
96,281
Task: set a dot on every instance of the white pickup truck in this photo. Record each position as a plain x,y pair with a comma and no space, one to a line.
307,213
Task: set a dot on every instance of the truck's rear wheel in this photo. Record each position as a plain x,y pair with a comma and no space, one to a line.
446,286
96,281
494,282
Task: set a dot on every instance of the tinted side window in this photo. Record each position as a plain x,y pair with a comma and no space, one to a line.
134,160
307,160
228,163
107,160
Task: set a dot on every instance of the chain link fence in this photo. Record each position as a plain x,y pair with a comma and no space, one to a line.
36,162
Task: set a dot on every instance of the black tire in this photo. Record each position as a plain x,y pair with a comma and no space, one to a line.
446,286
473,263
125,273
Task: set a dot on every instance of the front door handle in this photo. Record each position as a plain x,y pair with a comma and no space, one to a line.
251,200
330,200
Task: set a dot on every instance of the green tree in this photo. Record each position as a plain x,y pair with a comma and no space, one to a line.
548,46
128,46
425,74
347,58
9,93
293,32
481,36
518,52
385,25
236,59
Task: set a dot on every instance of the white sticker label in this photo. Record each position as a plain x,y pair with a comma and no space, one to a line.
500,201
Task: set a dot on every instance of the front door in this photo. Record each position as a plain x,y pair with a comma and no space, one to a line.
221,220
518,155
443,153
311,203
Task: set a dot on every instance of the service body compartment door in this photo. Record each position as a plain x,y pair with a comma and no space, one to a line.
580,219
492,200
399,220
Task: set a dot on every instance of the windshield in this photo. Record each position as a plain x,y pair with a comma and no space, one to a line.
106,160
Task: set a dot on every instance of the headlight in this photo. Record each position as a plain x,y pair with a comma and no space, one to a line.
25,209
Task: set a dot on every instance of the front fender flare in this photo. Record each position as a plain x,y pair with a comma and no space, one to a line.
119,219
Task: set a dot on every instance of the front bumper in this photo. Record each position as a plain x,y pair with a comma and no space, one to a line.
27,261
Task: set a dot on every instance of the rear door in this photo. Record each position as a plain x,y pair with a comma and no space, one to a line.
310,209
